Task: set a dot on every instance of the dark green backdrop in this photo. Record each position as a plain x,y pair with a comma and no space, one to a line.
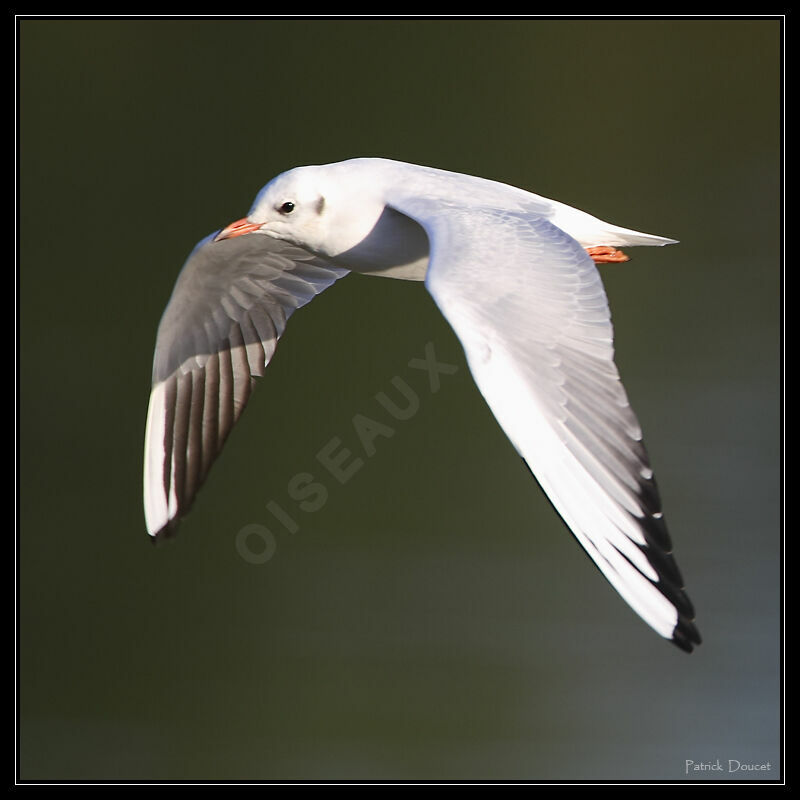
433,620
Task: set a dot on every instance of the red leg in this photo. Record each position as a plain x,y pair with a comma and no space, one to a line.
606,255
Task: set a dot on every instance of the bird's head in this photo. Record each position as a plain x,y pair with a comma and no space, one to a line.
321,209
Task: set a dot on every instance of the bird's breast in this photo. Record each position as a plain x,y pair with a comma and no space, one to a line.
395,247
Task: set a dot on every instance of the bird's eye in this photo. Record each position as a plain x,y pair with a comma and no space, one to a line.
287,207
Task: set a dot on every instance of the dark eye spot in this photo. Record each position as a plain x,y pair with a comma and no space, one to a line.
287,207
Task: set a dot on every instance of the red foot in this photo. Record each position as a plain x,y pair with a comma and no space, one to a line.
606,255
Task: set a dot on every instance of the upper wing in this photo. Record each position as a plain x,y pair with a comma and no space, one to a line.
221,326
528,305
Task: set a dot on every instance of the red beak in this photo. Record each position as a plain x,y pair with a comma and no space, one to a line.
237,228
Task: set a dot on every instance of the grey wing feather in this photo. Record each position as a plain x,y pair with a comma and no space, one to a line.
219,331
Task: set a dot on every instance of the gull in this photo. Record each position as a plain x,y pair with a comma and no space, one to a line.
515,276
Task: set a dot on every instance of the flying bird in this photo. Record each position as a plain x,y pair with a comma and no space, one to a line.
515,276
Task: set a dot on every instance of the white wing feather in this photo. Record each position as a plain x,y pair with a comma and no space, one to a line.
529,307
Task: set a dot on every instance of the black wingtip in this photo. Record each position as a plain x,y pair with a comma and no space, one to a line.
686,636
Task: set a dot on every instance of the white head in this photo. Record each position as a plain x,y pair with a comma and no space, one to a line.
325,209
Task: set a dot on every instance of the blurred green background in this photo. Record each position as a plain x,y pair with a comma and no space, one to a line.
434,619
